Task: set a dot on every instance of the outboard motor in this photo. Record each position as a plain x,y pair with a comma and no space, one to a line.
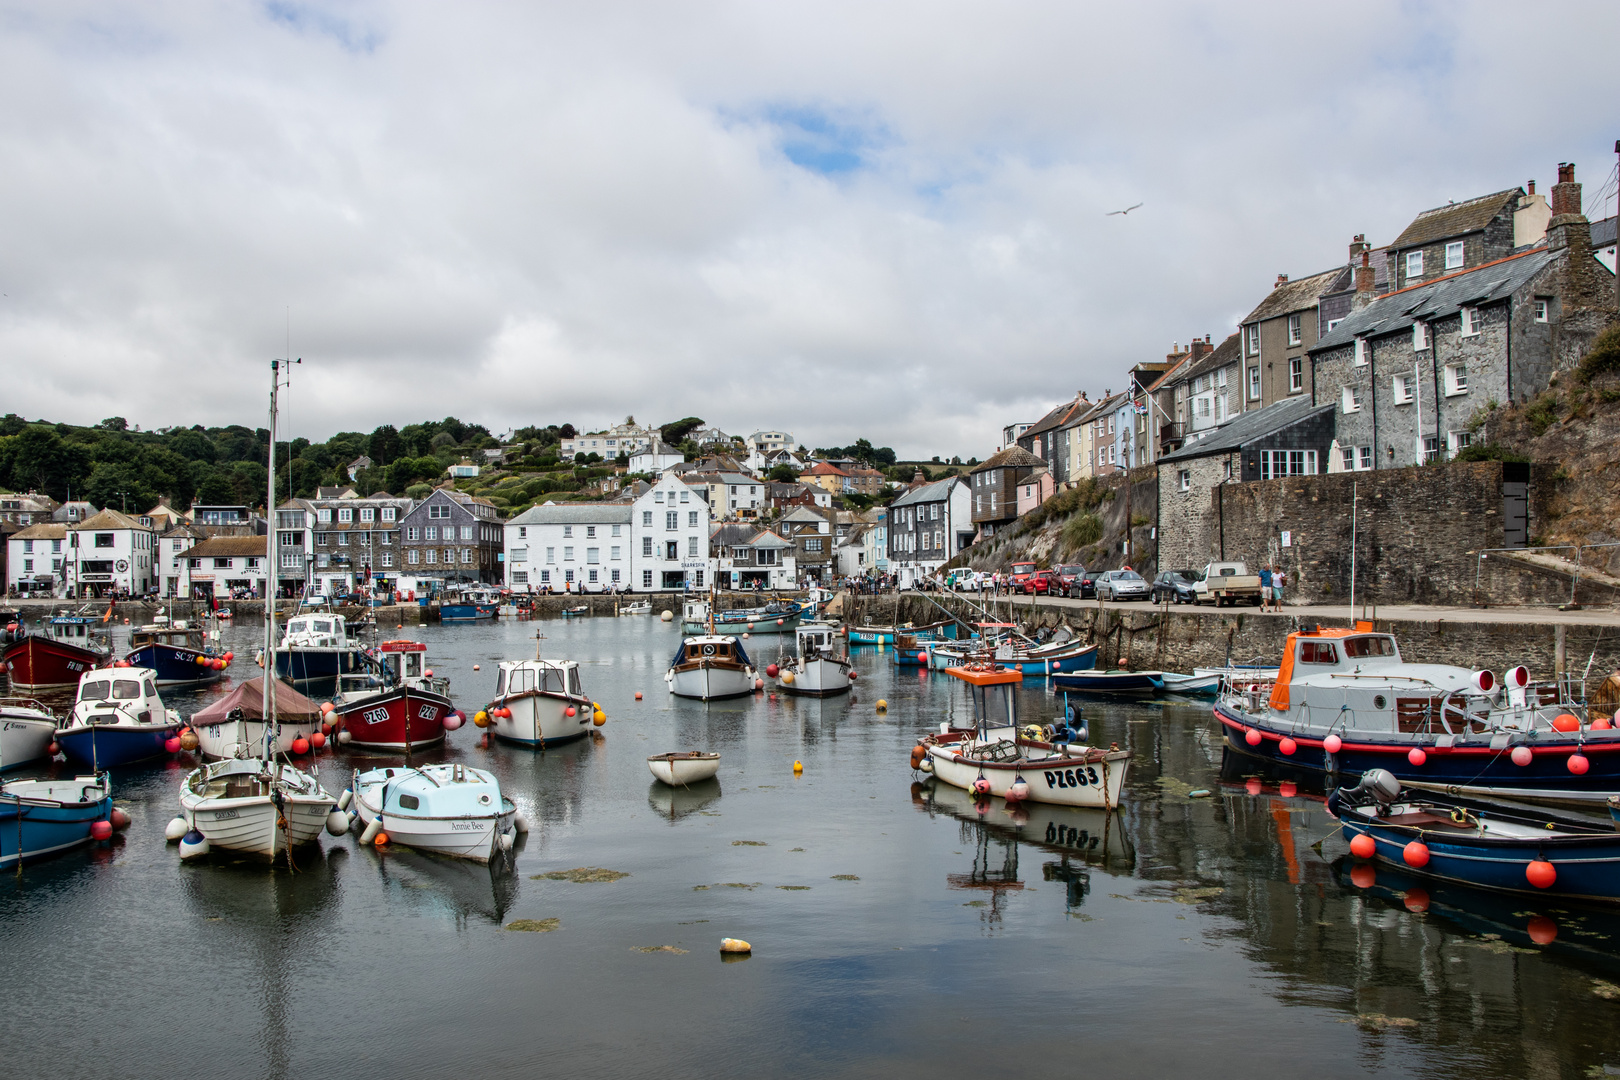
1377,786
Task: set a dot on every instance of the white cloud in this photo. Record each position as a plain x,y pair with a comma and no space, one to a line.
520,213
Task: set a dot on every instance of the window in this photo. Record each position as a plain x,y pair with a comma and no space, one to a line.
430,555
1294,330
410,557
545,577
1364,453
368,514
1220,377
323,515
28,566
1318,652
672,550
389,513
104,540
568,577
1254,340
1431,448
1454,255
551,555
1348,455
672,520
1279,463
438,510
430,532
646,547
412,532
1458,440
1414,264
1541,311
568,553
346,515
590,532
1333,323
1352,400
1185,479
685,495
523,532
1226,469
1456,378
387,559
1296,374
568,531
466,532
646,519
593,577
343,539
593,555
646,579
616,529
1402,387
28,547
692,546
1470,321
658,496
1361,352
1254,383
1203,406
1420,336
814,543
691,519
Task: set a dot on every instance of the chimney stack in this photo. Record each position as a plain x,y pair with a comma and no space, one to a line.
1531,188
1200,349
1358,247
1566,194
1282,279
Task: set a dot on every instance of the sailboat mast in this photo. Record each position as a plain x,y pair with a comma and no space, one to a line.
269,677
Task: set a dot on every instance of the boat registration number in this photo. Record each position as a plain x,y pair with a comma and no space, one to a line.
427,712
1084,776
224,815
374,716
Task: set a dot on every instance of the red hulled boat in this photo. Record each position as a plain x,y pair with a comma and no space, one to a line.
395,702
45,661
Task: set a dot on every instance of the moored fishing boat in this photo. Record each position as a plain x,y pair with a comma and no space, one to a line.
1200,686
1110,682
27,729
220,730
776,617
684,767
470,605
817,669
1491,847
640,607
990,760
710,667
885,635
177,653
315,647
43,817
395,702
1344,702
539,703
448,809
55,656
1051,658
118,719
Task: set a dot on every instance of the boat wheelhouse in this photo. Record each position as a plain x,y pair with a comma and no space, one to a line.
539,703
118,719
819,668
710,667
55,657
316,646
394,702
178,653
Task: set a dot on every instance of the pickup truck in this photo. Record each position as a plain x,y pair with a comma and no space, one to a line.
1226,583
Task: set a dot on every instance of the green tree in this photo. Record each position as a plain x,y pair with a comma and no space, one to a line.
384,445
675,433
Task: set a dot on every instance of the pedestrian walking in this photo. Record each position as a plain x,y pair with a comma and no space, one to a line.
1265,588
1279,578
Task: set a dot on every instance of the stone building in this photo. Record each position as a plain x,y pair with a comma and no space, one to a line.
811,531
1276,337
454,536
1468,234
930,523
994,489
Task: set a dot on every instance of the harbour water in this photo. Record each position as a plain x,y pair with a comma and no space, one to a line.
898,930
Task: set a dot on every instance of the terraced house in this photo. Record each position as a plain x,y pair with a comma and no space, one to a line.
453,536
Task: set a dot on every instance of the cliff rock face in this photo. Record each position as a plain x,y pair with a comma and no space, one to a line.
1085,524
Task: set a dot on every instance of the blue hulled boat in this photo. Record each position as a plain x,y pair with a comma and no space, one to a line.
42,817
1489,848
470,605
1110,682
177,654
1344,702
117,720
316,647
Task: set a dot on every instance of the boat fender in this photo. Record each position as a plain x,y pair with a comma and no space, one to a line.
735,945
926,766
1541,873
520,823
1522,756
344,736
194,845
337,823
1416,854
177,828
345,798
372,831
505,840
118,818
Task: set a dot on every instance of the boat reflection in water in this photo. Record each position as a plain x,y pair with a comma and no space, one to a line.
430,885
1083,839
676,803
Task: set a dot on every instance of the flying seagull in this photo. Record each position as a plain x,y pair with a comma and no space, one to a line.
1127,210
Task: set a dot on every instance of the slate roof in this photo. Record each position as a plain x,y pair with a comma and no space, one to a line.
1292,296
43,531
1455,219
110,519
734,535
574,514
223,547
1225,353
939,490
1014,456
1054,419
1247,427
1436,299
1603,232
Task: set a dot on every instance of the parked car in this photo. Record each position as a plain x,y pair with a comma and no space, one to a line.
1122,585
1039,583
1021,572
1073,581
1175,585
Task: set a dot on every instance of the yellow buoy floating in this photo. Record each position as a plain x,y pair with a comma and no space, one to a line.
882,705
798,767
735,945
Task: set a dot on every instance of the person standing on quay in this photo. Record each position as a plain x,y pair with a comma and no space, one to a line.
1265,588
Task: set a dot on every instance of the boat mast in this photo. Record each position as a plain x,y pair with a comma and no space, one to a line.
268,703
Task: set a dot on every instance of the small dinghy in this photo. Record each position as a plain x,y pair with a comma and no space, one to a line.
1489,847
41,817
684,767
576,612
1111,682
448,809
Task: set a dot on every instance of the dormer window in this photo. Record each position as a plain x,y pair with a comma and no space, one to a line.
1454,255
1470,321
1420,336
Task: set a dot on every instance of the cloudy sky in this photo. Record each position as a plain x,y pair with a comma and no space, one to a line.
843,219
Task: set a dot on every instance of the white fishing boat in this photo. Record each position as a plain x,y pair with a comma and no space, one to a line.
27,729
710,667
117,720
640,607
818,669
991,760
253,802
681,768
315,647
448,809
539,703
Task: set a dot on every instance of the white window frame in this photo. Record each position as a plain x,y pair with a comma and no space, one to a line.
1254,383
1455,248
1457,441
1347,455
1540,310
1365,458
1253,339
1361,352
1420,335
1184,479
1296,330
1296,375
1456,379
1400,389
1470,322
1351,401
1414,265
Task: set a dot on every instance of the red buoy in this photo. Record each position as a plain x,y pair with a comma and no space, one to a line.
1522,756
1566,722
1332,744
1288,789
101,830
852,675
1602,723
1252,785
1363,846
172,744
1417,900
1578,764
1416,755
566,712
1288,746
300,745
1363,876
1541,874
1416,854
317,740
1253,737
772,670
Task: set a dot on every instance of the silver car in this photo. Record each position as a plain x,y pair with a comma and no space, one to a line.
1122,585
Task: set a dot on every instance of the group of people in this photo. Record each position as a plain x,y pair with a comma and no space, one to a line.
1272,581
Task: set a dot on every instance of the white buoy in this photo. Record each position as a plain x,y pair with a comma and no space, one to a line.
343,799
343,737
372,830
520,823
193,845
506,840
337,823
177,828
666,615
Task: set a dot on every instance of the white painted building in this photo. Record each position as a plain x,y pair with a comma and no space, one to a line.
765,442
172,544
671,535
34,559
108,552
225,565
626,438
655,458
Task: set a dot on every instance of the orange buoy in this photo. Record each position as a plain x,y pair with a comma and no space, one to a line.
1416,854
1363,847
382,838
1541,874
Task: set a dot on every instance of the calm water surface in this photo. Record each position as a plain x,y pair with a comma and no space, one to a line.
898,931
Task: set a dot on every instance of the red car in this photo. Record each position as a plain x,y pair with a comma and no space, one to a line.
1019,576
1073,581
1041,582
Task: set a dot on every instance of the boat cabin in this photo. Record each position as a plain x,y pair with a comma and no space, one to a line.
993,693
816,638
406,659
324,631
81,630
181,635
711,650
123,690
559,677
